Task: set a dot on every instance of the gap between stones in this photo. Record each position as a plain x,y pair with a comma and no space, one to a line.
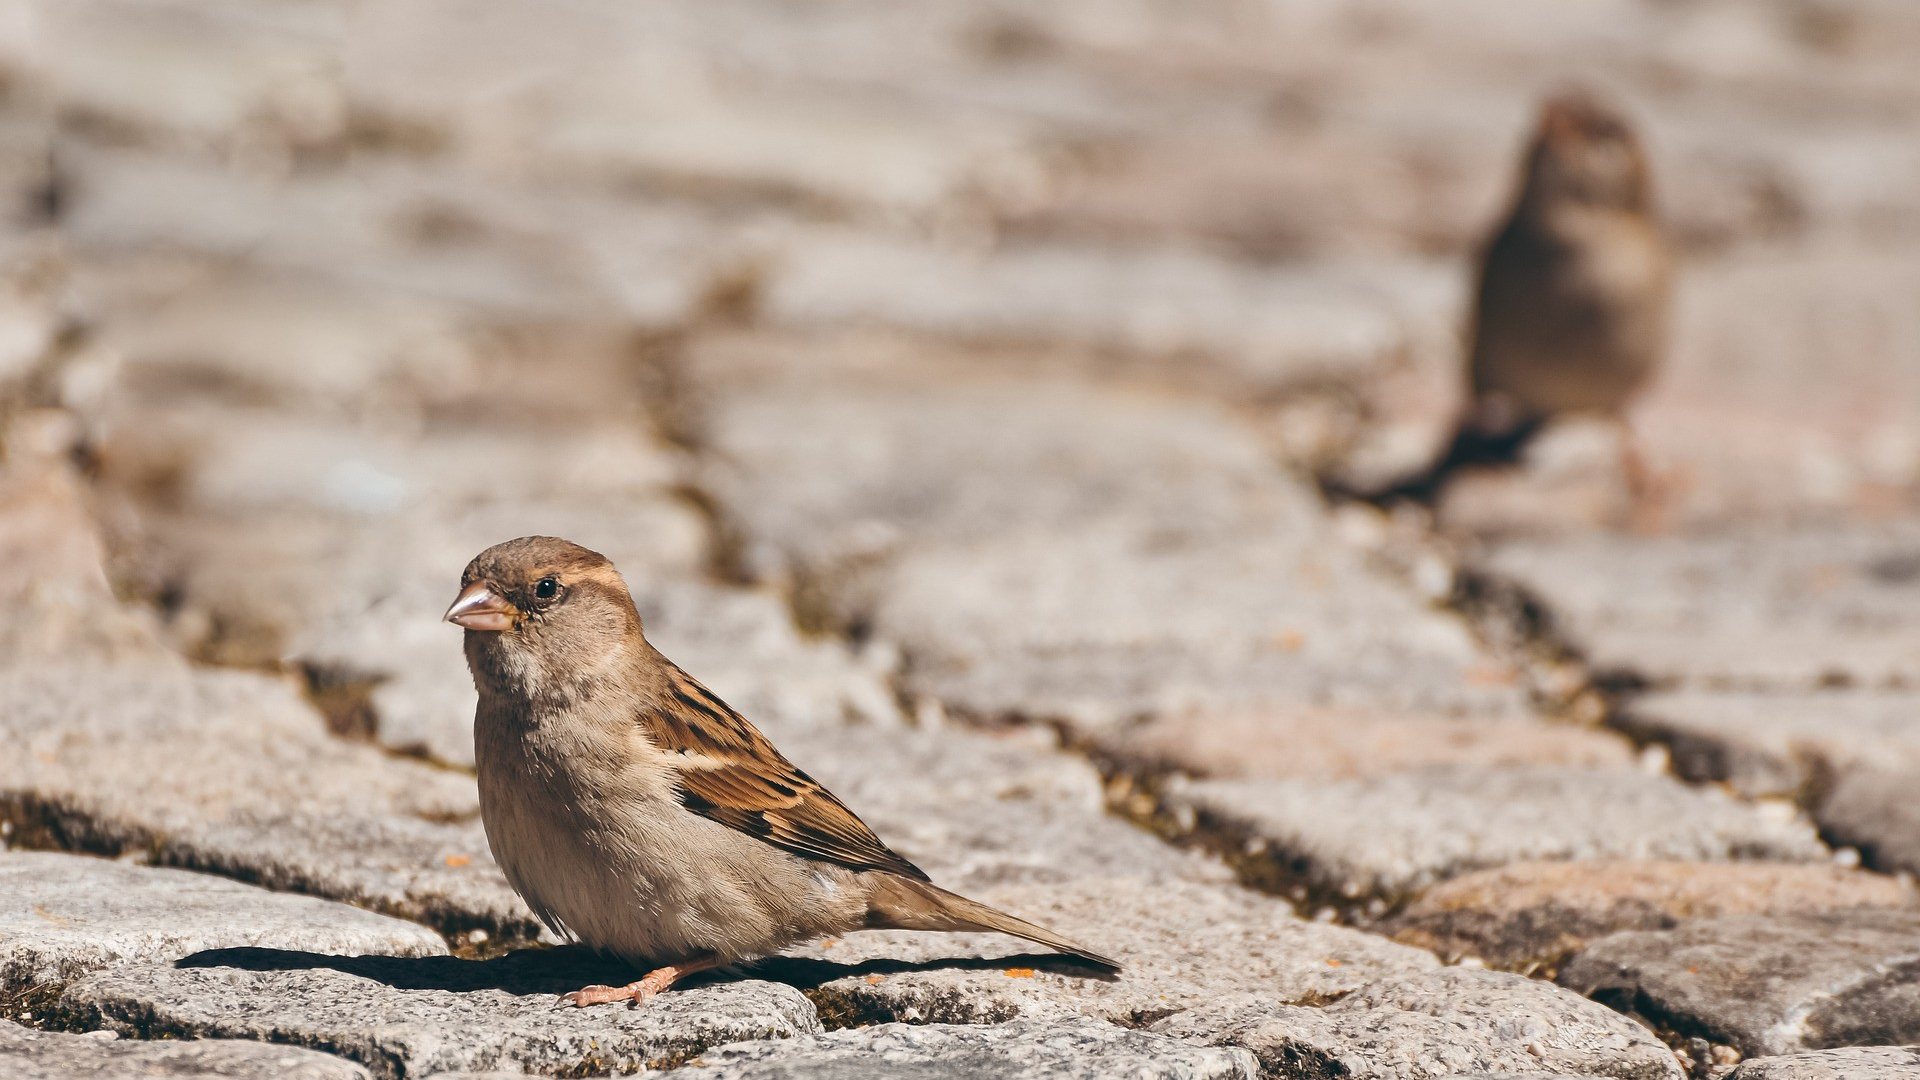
29,822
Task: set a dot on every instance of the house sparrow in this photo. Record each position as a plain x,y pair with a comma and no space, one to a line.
637,813
1570,314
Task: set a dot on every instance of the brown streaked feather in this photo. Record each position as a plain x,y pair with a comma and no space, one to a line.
730,773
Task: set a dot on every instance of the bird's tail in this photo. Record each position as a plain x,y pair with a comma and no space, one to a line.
898,903
1473,445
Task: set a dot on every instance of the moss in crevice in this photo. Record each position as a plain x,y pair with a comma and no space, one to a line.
36,1006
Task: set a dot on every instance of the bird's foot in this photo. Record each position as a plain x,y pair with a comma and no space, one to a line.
638,991
1650,491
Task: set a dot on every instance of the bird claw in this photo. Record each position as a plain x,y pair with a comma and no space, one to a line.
637,992
653,982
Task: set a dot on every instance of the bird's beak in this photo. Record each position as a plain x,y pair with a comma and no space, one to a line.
480,608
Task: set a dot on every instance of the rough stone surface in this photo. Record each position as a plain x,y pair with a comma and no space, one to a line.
1436,1024
54,592
1266,327
411,1017
233,773
1773,608
1530,916
64,915
1039,1051
1766,985
1778,744
1334,744
1004,819
1391,836
355,531
978,809
1171,568
1874,810
1852,1063
26,1054
1180,945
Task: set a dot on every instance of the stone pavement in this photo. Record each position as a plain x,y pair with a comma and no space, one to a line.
955,385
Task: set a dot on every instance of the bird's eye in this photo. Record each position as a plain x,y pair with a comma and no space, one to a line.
547,588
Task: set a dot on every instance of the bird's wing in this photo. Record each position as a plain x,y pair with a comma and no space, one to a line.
729,772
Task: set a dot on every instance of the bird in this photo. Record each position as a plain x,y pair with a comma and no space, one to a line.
638,814
1571,302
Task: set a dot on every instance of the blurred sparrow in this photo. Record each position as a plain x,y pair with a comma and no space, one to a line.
635,812
1570,314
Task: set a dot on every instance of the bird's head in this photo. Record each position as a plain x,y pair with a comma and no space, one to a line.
541,615
1585,153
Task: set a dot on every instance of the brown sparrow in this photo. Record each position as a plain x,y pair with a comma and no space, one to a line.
1570,313
636,813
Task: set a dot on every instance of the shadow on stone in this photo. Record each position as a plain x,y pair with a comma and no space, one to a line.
807,973
568,968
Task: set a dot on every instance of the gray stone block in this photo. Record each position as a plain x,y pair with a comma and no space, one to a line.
1873,809
1766,984
1529,917
26,1054
1780,744
1320,743
1064,1050
1760,608
1436,1024
411,1017
1392,836
234,773
1850,1063
62,916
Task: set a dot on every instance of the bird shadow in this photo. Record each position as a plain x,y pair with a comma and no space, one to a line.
567,968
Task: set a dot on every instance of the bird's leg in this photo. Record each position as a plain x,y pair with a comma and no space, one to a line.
641,989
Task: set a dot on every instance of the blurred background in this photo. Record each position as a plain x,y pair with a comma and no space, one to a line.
1015,364
328,295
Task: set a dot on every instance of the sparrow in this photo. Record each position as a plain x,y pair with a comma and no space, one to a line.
638,814
1570,308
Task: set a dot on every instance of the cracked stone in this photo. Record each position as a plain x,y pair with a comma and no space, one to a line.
1435,1024
412,1017
1392,836
1529,917
1017,1051
26,1054
62,916
1766,984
